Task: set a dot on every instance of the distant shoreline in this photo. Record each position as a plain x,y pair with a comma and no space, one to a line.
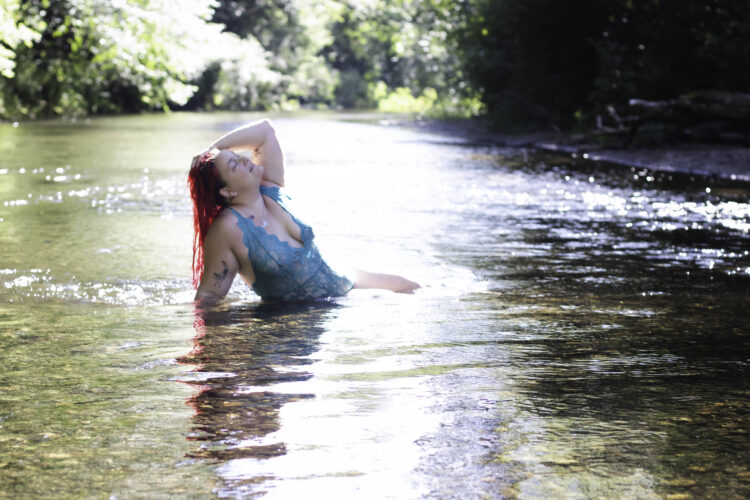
726,161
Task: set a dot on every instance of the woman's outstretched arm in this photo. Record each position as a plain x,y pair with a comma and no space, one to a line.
260,138
392,282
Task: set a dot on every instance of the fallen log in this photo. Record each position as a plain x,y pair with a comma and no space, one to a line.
710,104
712,115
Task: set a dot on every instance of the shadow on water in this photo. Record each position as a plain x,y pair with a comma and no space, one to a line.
238,353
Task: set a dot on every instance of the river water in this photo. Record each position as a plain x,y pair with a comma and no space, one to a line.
582,330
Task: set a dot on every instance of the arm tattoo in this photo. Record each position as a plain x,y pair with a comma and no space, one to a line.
219,277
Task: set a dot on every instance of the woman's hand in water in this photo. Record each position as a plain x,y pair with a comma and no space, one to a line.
392,282
408,286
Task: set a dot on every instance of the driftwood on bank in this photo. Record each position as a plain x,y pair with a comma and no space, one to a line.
707,116
712,105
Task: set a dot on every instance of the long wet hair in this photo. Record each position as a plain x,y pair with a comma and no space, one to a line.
204,182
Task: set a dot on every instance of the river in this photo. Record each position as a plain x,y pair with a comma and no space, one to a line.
582,330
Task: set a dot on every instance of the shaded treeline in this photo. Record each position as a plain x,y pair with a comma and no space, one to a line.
522,63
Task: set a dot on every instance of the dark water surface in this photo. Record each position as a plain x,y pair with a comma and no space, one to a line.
582,332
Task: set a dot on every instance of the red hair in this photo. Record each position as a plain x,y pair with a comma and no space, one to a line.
204,183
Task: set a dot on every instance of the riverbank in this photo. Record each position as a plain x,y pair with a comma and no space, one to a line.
722,161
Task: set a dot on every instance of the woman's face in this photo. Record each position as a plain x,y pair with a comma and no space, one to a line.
238,172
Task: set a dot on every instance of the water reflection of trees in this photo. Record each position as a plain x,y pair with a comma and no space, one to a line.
240,351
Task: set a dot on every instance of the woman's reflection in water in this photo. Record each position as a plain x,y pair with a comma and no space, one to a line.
240,350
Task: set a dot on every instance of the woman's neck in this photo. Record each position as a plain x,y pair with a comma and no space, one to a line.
250,204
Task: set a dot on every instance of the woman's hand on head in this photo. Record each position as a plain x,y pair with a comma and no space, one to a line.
197,158
196,161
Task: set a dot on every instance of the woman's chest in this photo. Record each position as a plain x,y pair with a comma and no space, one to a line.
273,244
281,225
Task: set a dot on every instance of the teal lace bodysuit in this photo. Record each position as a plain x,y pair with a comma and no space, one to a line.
287,273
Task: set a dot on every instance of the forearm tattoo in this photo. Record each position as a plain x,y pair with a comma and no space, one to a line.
219,277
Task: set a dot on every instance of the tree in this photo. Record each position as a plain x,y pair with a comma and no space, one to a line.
97,56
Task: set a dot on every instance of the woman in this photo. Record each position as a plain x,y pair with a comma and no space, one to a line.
243,224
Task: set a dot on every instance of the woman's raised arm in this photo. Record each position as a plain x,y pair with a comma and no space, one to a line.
260,138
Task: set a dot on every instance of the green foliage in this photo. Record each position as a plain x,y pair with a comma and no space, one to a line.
661,49
533,60
291,32
98,56
401,101
402,45
14,34
551,63
524,63
275,24
427,104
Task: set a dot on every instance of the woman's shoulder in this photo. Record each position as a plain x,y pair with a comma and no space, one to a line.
225,224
